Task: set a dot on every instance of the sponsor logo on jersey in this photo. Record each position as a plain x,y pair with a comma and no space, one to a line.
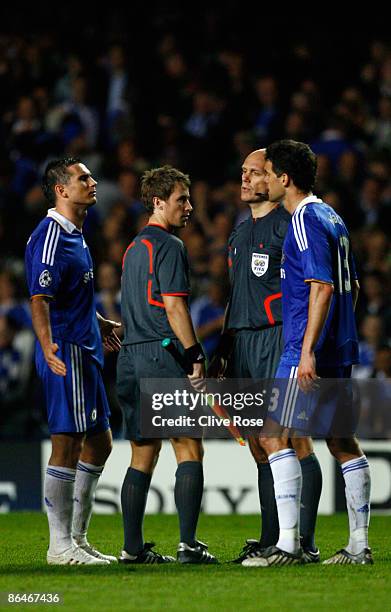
259,263
45,279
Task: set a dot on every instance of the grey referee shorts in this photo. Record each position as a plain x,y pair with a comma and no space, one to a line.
256,353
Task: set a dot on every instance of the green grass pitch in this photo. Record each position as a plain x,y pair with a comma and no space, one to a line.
23,543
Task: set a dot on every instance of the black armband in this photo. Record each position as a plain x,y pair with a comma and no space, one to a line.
194,354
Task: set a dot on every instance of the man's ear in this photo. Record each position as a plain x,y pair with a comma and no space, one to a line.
285,179
60,191
158,204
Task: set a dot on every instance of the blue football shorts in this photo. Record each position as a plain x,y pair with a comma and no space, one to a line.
77,402
329,410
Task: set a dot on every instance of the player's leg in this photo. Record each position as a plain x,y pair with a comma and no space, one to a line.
267,501
310,495
287,475
59,490
255,355
134,495
136,362
189,486
93,413
96,449
66,425
356,473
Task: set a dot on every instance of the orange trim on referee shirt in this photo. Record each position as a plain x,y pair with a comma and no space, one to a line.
268,310
128,249
150,298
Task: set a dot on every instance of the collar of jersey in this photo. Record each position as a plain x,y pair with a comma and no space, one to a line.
158,225
67,225
311,199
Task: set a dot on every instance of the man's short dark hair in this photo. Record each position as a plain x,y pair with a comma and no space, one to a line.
160,183
56,173
295,159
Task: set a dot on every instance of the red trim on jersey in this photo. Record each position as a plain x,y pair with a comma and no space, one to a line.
229,259
157,225
150,298
175,294
266,304
151,301
128,249
149,246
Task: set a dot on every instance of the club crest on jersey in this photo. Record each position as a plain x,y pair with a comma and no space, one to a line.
45,279
93,415
259,263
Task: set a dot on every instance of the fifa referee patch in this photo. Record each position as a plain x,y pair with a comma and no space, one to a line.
259,263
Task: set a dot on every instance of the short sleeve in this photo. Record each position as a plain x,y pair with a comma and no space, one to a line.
46,269
314,248
173,269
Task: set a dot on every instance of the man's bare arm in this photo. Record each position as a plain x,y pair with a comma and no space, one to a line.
318,309
41,324
355,292
179,318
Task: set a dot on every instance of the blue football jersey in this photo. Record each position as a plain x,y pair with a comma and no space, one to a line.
317,247
59,266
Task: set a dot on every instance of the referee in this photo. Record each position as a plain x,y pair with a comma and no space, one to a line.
155,290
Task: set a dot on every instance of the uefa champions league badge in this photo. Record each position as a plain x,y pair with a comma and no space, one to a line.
259,263
45,279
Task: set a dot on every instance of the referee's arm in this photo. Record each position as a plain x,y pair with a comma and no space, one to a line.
179,318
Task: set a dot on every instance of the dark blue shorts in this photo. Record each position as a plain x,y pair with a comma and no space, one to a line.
327,411
77,402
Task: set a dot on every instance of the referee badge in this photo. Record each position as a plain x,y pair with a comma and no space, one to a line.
259,263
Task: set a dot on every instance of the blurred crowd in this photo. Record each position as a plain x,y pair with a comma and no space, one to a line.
203,110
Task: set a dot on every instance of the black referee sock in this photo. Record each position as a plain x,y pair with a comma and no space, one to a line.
310,495
270,525
134,494
189,486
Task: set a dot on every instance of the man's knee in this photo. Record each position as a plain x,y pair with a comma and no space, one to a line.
256,450
344,449
188,449
272,445
66,449
145,455
97,448
302,446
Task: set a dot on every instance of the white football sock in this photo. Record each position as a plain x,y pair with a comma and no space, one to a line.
58,491
287,488
357,490
87,476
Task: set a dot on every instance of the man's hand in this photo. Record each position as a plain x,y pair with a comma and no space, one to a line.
217,367
55,364
109,337
219,361
306,374
197,378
